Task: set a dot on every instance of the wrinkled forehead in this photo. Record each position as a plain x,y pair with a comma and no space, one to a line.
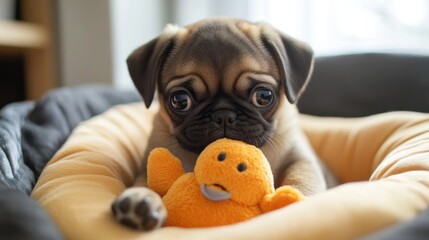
217,44
218,54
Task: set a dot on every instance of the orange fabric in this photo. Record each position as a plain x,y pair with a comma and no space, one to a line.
101,158
283,196
163,169
250,191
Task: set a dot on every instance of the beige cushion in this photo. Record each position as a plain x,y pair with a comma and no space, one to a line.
102,157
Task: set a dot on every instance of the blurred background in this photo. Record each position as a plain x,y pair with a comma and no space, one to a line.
45,44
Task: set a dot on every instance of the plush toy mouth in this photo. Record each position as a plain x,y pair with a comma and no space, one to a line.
215,192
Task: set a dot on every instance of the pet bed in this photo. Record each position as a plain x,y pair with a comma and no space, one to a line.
382,161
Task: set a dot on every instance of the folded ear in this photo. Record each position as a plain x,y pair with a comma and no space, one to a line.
145,65
294,60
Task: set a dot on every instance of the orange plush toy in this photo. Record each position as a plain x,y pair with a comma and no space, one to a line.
232,182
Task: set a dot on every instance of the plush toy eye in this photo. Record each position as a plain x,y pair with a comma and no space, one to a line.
262,97
241,167
221,156
181,101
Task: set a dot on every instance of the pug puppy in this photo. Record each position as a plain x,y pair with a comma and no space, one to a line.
222,78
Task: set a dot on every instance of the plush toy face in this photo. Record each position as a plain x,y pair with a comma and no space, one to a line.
233,170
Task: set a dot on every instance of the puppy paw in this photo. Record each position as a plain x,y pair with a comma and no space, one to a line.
140,208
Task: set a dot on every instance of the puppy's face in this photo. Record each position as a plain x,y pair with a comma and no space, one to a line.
221,78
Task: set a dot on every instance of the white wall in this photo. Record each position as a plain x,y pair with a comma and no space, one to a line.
84,32
134,22
184,12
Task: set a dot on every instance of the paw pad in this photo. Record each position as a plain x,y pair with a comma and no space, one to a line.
139,208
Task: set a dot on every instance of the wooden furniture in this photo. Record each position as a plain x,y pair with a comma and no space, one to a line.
33,38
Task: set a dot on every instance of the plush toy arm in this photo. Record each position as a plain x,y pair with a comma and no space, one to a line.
163,169
282,197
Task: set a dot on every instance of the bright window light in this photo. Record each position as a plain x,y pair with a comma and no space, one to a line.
338,26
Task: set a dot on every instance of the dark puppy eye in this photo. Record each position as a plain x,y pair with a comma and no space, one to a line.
262,97
181,101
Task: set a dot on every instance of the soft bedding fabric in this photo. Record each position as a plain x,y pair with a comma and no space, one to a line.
31,132
12,166
22,218
101,158
415,229
54,117
363,84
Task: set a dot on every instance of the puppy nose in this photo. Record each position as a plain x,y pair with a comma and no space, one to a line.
224,117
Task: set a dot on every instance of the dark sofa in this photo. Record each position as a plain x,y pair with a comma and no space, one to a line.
345,85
